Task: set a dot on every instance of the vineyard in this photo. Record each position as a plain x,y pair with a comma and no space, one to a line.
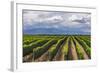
38,48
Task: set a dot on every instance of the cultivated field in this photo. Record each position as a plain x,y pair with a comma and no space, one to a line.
38,48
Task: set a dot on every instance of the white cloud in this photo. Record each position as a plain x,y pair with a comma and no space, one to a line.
78,19
53,19
74,17
31,17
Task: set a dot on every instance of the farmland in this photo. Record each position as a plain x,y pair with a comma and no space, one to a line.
39,48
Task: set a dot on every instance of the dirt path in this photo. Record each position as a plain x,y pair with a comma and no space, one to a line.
72,54
60,55
28,58
73,51
45,56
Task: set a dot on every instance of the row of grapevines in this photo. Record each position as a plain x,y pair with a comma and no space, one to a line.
78,49
27,42
65,48
56,48
40,50
85,46
79,52
87,41
29,48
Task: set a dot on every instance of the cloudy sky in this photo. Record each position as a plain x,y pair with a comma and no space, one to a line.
51,22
